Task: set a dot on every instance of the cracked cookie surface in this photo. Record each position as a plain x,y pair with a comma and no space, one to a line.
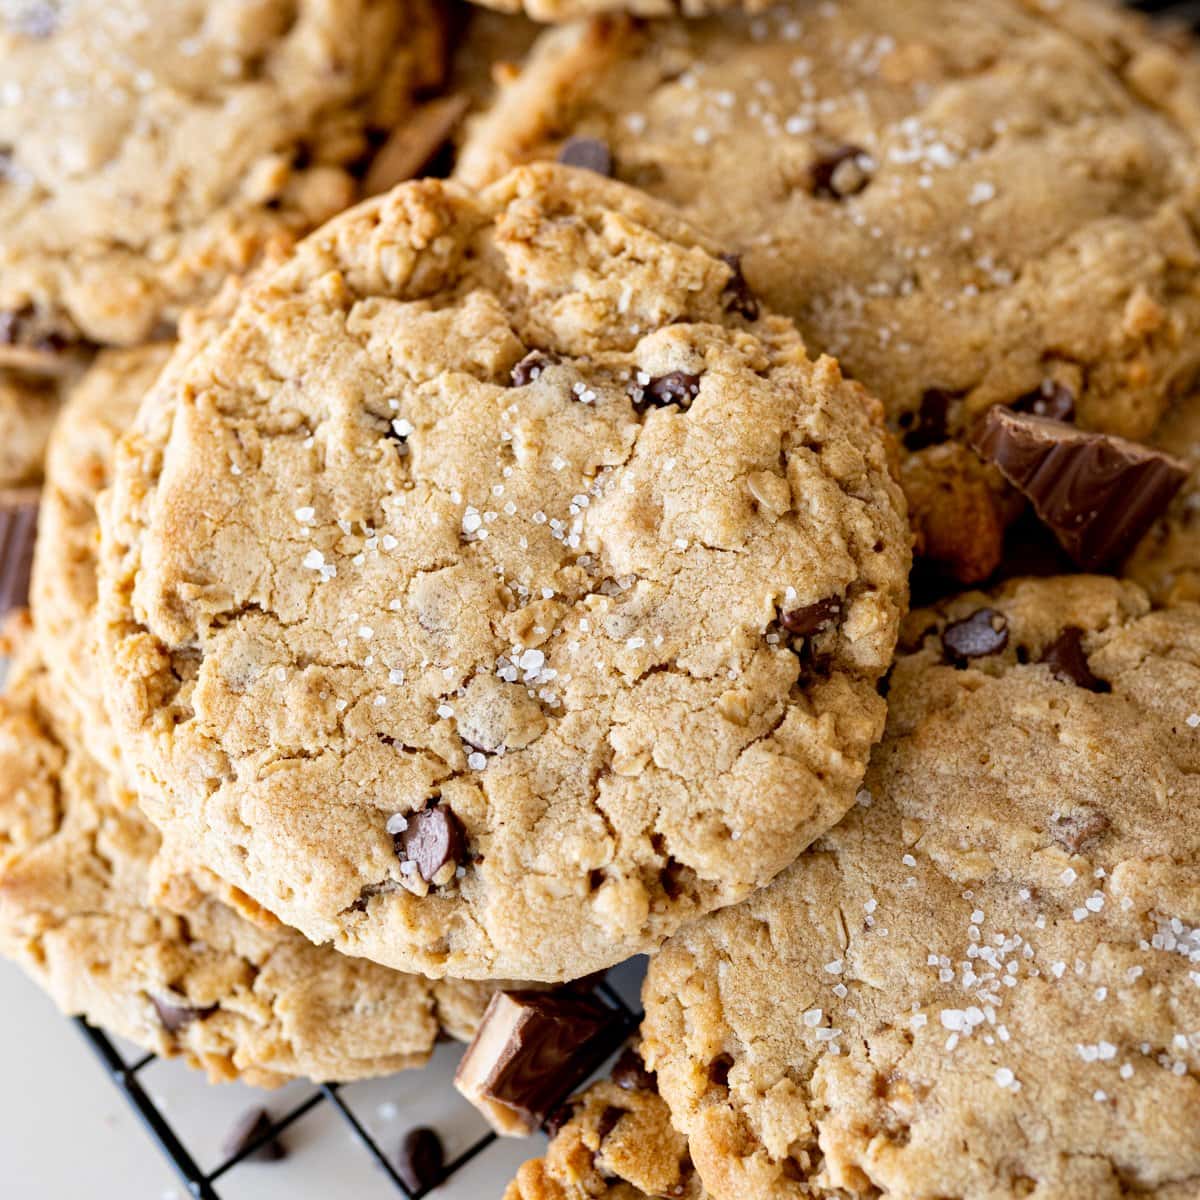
147,150
491,597
183,974
962,203
986,981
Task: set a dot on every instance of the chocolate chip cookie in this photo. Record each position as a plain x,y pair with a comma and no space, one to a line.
497,591
966,204
986,981
185,975
147,150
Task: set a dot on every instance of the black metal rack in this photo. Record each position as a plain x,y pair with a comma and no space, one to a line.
202,1184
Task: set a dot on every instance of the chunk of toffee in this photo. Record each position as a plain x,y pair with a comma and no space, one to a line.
812,618
1098,494
1066,658
676,388
250,1138
421,1159
18,530
414,142
738,296
1050,399
1079,830
842,172
591,154
175,1017
531,1050
982,633
432,840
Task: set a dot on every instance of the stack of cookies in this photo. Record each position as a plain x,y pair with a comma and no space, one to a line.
715,485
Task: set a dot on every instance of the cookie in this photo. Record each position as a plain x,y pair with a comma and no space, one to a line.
28,406
185,975
1167,561
146,152
494,595
965,204
617,1144
986,980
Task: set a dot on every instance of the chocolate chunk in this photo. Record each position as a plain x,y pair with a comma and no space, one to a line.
1097,493
18,530
629,1073
608,1121
24,328
554,1122
930,424
1050,400
718,1070
421,1159
1065,657
1079,830
529,368
739,298
433,839
589,153
984,632
841,173
812,618
250,1130
531,1050
676,388
175,1017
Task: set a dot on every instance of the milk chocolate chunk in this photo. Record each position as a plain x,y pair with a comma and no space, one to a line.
679,387
1098,494
250,1138
18,528
982,633
589,153
421,1159
804,622
1066,658
433,840
175,1017
739,297
531,1050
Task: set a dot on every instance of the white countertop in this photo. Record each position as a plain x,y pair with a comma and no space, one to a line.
66,1131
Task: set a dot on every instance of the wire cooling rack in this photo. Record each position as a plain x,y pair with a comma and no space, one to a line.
127,1073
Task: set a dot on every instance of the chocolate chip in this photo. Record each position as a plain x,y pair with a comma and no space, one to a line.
175,1017
433,839
629,1073
984,632
1098,494
930,424
841,173
589,153
25,328
553,1124
250,1130
608,1121
530,367
812,618
718,1070
1050,400
531,1050
739,298
421,1159
1079,830
676,388
18,531
1066,658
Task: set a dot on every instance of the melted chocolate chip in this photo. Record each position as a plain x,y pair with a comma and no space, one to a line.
175,1017
1079,830
984,632
608,1121
812,618
421,1159
18,531
718,1070
629,1073
676,388
1066,658
253,1129
929,425
530,367
738,296
841,173
1098,494
434,838
1051,400
591,154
